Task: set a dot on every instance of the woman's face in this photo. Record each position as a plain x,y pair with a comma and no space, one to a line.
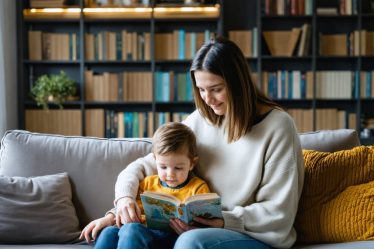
212,90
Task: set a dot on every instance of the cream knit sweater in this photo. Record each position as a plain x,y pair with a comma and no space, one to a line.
259,177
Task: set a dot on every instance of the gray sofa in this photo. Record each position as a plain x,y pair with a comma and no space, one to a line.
34,215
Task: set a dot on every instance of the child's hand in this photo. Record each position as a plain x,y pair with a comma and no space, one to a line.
90,232
180,227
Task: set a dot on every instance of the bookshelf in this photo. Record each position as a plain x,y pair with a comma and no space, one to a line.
130,63
327,82
334,88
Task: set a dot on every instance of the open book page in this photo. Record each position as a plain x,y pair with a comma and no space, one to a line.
160,208
203,205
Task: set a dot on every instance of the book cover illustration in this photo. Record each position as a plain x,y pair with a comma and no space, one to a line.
160,208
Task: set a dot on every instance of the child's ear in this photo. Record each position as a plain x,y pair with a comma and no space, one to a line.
194,161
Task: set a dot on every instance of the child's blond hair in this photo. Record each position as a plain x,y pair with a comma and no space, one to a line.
174,137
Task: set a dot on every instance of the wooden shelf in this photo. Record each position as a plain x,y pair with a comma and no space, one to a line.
122,13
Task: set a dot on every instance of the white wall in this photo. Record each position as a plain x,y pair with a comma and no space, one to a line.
8,66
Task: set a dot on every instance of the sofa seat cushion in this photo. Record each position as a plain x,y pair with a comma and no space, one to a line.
37,210
337,202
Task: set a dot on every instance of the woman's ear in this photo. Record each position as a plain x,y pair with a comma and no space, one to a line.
194,161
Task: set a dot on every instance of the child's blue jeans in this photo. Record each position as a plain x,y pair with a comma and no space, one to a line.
134,235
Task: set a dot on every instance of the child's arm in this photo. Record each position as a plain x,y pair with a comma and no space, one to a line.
94,227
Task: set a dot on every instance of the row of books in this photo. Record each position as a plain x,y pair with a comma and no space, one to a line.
109,123
179,44
358,42
246,40
366,80
335,85
52,46
296,42
99,122
369,123
326,119
287,7
47,4
343,7
67,122
284,84
116,3
344,84
121,46
118,87
137,86
289,42
134,124
172,86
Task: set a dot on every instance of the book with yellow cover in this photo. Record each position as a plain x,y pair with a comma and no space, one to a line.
159,208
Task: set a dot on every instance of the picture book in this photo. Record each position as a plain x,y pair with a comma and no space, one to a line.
159,208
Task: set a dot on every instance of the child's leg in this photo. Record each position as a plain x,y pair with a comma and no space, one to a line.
136,235
108,238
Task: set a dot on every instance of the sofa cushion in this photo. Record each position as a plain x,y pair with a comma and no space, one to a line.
329,140
37,210
337,202
93,164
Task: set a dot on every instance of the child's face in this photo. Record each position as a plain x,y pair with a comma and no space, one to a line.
173,168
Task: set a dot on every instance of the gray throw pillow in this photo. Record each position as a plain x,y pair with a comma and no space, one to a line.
37,210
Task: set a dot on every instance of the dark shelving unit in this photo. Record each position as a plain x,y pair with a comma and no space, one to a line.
254,16
82,22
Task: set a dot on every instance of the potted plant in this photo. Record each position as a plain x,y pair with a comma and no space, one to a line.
55,88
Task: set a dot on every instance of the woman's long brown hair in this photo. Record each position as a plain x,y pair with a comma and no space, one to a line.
224,58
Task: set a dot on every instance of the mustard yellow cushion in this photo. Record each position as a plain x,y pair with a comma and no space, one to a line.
337,203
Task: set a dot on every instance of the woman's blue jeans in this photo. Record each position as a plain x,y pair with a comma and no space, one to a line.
216,238
134,235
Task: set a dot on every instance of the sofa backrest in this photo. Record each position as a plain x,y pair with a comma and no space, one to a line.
329,140
92,164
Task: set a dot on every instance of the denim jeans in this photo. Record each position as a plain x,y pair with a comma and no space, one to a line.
133,236
216,238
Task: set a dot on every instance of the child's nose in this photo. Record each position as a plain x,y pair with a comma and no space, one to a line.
170,172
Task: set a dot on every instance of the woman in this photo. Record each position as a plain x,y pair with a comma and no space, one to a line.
249,154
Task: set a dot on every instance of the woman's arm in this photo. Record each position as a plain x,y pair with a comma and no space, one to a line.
271,216
126,188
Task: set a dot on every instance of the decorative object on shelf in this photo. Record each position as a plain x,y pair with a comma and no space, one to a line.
55,88
282,43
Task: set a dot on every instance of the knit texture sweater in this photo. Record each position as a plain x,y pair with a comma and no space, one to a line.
259,177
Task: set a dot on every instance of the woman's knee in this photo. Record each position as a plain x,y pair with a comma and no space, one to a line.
191,239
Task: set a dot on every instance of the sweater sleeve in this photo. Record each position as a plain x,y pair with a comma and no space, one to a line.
271,216
203,189
128,180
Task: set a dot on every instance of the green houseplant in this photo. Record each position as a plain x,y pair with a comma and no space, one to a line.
55,88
